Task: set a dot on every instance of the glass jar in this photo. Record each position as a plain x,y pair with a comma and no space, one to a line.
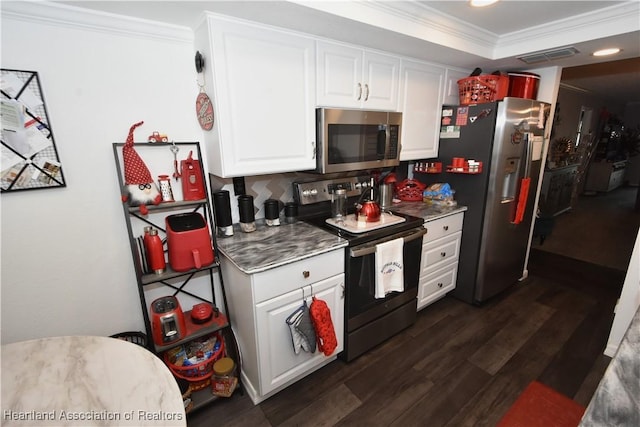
339,204
224,379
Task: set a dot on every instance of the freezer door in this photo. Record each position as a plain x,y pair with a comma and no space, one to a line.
515,167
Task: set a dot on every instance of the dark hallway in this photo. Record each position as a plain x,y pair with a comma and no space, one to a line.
600,229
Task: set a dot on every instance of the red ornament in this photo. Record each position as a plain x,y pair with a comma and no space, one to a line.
204,111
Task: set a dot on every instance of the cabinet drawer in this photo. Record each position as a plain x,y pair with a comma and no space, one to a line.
436,285
278,281
443,227
440,253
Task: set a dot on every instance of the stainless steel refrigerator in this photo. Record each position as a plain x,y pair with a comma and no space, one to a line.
507,137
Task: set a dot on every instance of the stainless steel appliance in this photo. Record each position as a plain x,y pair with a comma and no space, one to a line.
349,140
369,321
508,138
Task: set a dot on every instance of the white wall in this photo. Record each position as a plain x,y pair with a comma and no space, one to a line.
66,263
628,303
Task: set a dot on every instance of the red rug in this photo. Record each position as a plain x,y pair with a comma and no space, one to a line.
541,406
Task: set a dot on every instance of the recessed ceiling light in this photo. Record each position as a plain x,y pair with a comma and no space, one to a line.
482,3
606,52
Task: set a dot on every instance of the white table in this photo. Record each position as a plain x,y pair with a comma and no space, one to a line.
87,381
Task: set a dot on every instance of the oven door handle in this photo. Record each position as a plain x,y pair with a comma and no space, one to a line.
370,248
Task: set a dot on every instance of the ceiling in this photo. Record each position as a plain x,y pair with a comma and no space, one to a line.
451,32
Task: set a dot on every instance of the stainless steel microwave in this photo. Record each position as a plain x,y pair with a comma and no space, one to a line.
349,140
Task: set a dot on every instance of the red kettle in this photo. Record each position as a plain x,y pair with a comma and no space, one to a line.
368,210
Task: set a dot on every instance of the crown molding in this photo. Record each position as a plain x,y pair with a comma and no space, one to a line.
410,19
414,19
44,12
611,21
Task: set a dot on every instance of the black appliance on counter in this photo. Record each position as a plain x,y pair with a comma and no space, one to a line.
369,321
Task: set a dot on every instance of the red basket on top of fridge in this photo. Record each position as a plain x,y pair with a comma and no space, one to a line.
483,88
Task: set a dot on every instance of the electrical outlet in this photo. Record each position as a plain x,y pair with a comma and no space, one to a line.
238,186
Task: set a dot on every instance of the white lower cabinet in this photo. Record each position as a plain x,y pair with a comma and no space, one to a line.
259,305
439,264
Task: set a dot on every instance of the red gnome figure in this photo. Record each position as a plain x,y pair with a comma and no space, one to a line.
140,187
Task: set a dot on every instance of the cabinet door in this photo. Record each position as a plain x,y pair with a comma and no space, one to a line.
451,94
380,81
420,107
339,76
279,365
265,96
349,77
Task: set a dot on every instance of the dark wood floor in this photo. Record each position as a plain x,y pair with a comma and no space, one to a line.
461,365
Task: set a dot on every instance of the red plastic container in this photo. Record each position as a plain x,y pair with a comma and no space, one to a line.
523,85
481,89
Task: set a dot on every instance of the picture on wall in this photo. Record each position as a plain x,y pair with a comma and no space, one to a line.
29,158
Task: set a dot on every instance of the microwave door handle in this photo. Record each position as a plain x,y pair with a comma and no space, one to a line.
381,146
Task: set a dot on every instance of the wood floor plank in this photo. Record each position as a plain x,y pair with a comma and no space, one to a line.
572,364
446,398
396,363
503,345
590,384
384,407
328,410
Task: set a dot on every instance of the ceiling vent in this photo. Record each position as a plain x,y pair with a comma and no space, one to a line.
549,55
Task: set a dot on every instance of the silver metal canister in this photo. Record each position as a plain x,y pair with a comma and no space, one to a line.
386,196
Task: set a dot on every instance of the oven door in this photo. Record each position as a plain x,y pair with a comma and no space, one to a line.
361,305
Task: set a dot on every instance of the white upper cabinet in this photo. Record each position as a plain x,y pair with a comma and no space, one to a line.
349,77
420,104
451,95
262,83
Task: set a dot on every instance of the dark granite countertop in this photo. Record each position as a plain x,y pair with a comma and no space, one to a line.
616,401
270,247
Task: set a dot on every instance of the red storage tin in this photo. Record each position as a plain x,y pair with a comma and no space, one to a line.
188,241
523,85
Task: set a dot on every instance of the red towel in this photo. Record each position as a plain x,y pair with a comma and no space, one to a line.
522,200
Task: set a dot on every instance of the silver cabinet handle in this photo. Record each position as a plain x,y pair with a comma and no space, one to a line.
440,285
313,150
443,254
366,88
359,91
446,228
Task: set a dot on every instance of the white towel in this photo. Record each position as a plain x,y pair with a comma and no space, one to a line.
389,267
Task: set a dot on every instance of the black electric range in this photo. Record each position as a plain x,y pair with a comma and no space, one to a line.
369,320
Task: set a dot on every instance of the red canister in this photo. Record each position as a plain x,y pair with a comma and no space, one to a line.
523,85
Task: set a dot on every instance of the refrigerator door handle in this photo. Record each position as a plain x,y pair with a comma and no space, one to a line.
527,154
